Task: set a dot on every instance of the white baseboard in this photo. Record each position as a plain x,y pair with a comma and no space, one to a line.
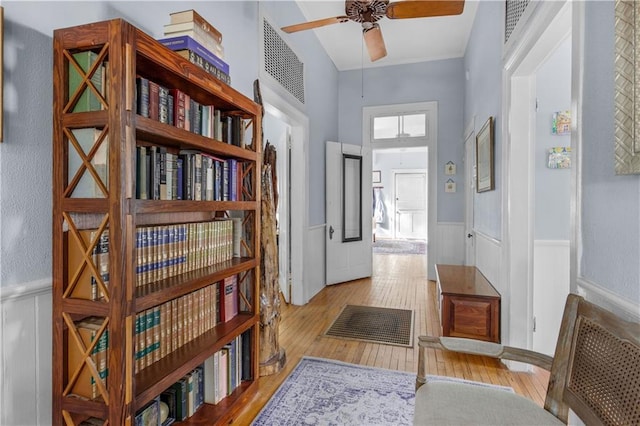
25,357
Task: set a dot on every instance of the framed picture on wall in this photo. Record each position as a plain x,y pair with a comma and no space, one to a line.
484,157
377,178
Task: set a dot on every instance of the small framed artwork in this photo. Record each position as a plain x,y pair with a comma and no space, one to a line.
450,168
559,157
561,123
450,186
377,177
484,157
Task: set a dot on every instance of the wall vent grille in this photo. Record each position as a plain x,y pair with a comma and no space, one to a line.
514,11
281,63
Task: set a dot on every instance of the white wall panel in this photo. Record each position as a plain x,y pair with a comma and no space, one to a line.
26,354
450,243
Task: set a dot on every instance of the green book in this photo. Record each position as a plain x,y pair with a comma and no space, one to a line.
88,100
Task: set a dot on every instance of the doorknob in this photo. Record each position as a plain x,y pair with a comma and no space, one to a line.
469,235
331,231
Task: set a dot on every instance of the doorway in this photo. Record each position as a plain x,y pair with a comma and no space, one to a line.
277,132
293,211
524,191
422,147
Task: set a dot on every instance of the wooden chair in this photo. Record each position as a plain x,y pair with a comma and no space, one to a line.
595,372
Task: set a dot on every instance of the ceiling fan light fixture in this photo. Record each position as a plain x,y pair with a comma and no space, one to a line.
374,41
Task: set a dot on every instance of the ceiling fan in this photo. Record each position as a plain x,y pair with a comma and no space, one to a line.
368,12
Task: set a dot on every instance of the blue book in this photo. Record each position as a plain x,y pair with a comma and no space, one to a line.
187,43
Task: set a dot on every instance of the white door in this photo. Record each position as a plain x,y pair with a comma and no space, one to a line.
410,205
347,257
469,188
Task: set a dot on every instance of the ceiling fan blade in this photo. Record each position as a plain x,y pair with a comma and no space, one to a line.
424,8
314,24
375,43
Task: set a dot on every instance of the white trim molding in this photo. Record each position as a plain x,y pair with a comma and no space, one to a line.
608,300
31,289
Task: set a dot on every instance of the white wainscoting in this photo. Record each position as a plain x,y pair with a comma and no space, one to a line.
314,271
26,312
450,247
489,260
550,290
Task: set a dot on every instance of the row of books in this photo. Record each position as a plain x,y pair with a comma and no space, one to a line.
177,108
163,329
85,385
159,331
164,251
212,381
186,175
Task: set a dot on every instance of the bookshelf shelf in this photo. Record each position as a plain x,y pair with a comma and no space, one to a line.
160,133
122,336
162,374
183,206
161,291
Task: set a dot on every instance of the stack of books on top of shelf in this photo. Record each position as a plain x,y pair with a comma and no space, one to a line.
192,37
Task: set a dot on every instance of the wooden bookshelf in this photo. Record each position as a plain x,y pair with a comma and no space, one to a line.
94,188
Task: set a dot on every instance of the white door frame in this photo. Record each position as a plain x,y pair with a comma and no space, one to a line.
546,26
283,164
432,167
299,220
469,188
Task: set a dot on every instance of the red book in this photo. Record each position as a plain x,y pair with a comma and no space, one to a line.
179,108
154,100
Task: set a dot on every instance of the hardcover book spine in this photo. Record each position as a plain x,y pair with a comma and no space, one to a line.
154,100
198,60
193,18
142,100
188,43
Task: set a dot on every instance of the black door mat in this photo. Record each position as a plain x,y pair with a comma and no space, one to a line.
374,324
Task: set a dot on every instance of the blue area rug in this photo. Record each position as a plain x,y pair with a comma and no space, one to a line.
385,246
326,392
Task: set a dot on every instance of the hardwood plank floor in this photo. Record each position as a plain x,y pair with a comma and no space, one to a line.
397,282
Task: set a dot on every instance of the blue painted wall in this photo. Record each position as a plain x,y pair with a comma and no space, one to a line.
552,186
610,203
25,204
483,98
439,81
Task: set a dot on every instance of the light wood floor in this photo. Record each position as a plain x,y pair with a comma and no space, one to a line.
397,282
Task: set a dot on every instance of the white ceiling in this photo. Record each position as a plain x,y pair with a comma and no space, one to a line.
407,40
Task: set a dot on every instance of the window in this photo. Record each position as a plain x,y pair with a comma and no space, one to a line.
401,126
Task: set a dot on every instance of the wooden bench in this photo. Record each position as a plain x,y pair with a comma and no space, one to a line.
469,305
